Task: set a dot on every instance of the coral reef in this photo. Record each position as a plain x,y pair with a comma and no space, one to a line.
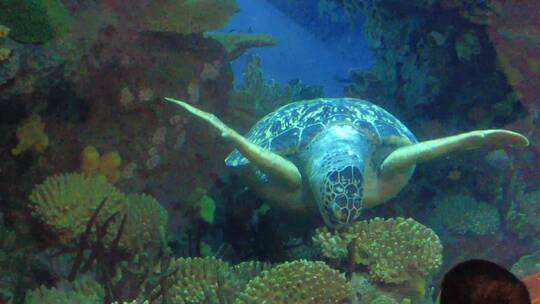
523,217
395,250
257,96
34,21
299,282
66,202
462,214
31,134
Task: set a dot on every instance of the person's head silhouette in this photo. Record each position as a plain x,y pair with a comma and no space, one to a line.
482,282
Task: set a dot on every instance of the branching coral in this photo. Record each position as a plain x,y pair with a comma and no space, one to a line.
83,290
395,250
66,202
31,134
202,280
297,282
187,16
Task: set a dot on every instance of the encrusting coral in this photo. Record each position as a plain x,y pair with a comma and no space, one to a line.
396,250
31,134
299,282
66,202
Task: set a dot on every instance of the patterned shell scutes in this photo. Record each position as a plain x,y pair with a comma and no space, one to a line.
289,129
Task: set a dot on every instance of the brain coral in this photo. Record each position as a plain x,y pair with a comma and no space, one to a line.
66,202
395,250
297,282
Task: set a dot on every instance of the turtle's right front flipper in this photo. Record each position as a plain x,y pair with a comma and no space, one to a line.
407,156
267,161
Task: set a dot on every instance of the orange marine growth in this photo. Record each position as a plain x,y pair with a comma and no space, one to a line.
108,164
31,134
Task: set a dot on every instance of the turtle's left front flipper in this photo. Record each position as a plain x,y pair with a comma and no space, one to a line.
403,158
267,161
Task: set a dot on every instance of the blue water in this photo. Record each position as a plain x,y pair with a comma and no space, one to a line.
300,54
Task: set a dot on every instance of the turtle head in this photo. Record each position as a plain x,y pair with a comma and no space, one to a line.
335,169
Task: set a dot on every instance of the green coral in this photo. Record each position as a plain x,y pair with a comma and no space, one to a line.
84,290
467,46
4,52
395,250
462,214
207,207
66,202
34,21
297,282
209,280
145,224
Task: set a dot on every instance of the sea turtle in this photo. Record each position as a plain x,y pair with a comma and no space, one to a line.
344,154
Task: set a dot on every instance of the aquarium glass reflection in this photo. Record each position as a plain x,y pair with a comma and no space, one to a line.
265,151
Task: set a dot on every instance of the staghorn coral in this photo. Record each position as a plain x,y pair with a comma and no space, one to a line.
145,224
187,16
31,134
66,202
297,282
462,214
395,250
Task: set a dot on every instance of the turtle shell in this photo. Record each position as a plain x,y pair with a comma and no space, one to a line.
290,128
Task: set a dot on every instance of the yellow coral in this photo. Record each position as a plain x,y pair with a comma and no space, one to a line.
108,164
187,16
299,282
90,160
31,134
66,202
395,250
4,31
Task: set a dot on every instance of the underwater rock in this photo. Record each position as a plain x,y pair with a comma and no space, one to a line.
30,70
237,43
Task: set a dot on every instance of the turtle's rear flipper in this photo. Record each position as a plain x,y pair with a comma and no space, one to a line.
268,161
404,157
